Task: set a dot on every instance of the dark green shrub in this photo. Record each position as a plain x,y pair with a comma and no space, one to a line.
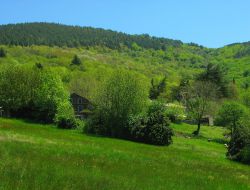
137,127
152,128
159,134
76,60
245,154
95,125
67,123
239,145
158,130
2,52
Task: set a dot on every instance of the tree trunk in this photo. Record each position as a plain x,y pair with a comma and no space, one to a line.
198,128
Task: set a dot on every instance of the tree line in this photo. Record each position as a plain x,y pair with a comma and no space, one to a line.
52,34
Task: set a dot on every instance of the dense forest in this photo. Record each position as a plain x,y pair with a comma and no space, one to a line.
75,36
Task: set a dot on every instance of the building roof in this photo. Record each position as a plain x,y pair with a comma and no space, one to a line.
75,94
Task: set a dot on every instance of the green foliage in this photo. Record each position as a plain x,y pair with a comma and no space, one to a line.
177,91
158,129
123,94
239,145
175,112
50,34
198,100
157,89
230,114
76,60
153,127
18,86
2,53
215,74
245,97
65,117
32,93
51,95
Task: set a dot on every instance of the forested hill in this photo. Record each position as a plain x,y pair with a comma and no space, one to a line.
73,36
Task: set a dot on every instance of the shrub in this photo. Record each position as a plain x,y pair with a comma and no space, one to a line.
2,52
67,123
95,124
239,145
137,127
152,128
76,60
245,154
159,134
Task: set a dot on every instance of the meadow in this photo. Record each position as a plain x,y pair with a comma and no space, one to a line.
35,156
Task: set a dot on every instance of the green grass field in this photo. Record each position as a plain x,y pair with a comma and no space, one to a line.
36,156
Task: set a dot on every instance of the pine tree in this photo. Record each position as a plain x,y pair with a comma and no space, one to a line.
76,60
2,52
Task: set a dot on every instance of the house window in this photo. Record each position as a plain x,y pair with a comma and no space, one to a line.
79,100
79,108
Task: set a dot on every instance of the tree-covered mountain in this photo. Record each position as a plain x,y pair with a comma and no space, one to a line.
102,50
74,36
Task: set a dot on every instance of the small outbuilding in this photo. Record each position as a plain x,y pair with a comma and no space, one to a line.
208,119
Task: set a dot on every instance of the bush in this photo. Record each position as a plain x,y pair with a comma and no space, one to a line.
95,124
137,127
245,155
159,134
152,128
239,145
2,52
76,60
67,123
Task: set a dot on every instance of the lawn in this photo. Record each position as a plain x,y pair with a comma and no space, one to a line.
34,156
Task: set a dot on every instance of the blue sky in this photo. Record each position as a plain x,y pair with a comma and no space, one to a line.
212,23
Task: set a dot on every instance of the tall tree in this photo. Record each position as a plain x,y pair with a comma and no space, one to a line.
124,94
157,89
198,100
215,74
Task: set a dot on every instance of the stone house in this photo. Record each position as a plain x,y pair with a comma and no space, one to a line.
82,106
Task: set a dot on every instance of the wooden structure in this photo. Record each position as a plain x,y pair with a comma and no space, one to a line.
82,106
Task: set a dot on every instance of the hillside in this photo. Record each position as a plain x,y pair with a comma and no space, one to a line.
101,49
44,157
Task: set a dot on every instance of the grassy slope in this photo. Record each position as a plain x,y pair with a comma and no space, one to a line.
43,157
